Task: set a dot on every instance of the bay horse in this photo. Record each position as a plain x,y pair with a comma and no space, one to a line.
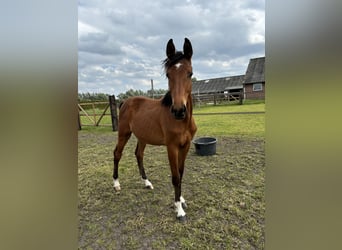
167,121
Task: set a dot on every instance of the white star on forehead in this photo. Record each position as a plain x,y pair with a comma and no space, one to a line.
177,65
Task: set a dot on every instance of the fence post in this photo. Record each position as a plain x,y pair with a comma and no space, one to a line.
113,112
94,113
79,120
240,98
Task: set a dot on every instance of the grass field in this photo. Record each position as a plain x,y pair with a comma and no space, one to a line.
224,192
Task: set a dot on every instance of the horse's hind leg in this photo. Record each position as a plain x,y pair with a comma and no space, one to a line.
139,153
122,140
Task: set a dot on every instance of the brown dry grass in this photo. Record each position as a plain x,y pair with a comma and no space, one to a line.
224,194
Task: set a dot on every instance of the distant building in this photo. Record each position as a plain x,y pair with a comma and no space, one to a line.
218,85
252,84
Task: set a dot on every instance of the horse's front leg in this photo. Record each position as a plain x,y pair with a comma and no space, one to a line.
183,151
122,140
173,153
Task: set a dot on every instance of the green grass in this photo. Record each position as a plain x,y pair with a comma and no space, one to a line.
251,125
106,120
224,192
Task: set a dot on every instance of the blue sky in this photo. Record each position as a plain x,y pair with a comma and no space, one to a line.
121,43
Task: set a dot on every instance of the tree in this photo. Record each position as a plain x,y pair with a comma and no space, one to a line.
97,97
92,97
156,93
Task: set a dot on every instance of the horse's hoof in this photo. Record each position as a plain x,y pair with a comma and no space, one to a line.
184,206
117,188
181,218
149,187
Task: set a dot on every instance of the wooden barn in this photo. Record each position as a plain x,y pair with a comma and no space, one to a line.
254,81
248,86
228,87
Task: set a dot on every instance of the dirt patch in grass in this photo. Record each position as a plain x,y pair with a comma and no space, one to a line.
225,194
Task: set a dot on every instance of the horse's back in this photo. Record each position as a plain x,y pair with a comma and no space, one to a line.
141,115
139,105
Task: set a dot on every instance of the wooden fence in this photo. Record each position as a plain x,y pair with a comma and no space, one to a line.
95,111
215,98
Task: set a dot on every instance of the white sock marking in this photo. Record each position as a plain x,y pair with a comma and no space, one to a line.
117,184
148,183
182,199
179,209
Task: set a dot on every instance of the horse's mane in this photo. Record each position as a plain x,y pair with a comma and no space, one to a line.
121,103
169,62
167,99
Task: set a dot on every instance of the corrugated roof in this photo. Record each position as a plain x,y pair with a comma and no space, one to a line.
217,84
255,70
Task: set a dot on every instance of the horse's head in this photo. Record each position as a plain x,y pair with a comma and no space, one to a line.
179,71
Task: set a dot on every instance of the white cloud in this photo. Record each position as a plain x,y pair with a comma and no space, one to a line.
85,29
122,44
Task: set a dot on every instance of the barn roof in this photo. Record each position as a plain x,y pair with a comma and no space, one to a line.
217,84
255,70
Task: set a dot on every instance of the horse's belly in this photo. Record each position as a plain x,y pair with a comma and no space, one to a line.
148,133
149,139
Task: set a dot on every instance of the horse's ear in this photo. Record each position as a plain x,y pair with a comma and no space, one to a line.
187,49
170,49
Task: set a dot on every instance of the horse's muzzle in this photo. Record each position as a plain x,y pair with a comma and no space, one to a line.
179,114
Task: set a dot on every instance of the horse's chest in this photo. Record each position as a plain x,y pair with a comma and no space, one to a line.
179,136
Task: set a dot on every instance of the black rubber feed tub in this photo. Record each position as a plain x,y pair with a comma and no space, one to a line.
205,145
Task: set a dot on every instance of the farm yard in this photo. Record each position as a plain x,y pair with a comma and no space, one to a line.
225,193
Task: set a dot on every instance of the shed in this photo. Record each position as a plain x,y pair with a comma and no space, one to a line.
254,80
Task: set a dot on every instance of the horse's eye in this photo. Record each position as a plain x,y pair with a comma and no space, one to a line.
190,74
167,75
